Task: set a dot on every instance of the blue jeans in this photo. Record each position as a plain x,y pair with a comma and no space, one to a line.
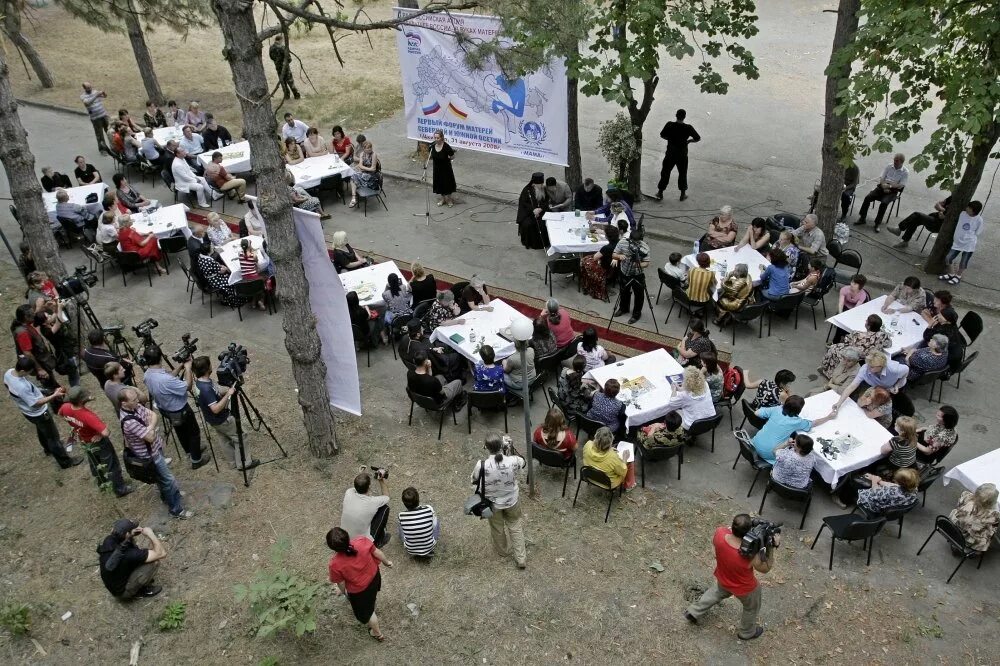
169,492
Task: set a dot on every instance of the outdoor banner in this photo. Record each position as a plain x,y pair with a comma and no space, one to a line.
478,109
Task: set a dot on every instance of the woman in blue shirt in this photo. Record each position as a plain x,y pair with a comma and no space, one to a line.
488,375
774,279
782,421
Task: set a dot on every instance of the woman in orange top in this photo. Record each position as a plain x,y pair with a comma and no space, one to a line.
555,434
144,245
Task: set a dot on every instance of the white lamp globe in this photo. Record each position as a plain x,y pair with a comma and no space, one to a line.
521,328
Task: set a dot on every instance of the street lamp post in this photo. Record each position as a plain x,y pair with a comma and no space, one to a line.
521,330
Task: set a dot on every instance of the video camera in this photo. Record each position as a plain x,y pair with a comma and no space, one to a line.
232,364
78,283
380,473
760,536
144,330
188,348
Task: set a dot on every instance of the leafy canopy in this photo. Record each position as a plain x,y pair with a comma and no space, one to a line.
110,15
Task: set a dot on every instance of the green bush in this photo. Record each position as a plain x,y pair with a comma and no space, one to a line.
173,616
281,600
15,618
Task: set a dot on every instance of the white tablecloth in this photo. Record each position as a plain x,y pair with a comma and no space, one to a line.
906,329
974,473
311,171
486,325
655,366
230,255
724,260
564,237
77,195
370,282
163,222
850,419
163,134
235,157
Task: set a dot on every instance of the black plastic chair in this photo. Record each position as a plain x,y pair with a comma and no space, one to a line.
679,297
562,266
96,258
747,315
851,527
252,290
971,325
731,399
788,303
431,405
549,366
587,426
172,245
496,400
365,193
962,368
554,400
130,262
749,414
851,259
71,230
552,458
701,426
818,295
514,397
896,515
362,340
932,378
927,481
794,494
598,479
667,280
951,532
749,453
658,453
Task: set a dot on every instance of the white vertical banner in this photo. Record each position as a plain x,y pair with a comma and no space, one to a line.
333,323
478,109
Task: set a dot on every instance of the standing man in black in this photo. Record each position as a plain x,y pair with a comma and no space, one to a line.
282,59
678,134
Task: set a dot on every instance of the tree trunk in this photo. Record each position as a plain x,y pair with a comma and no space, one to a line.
12,28
243,52
635,166
143,59
25,190
832,177
638,113
574,169
962,195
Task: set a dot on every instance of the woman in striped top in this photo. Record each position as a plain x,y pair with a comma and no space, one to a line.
248,267
419,527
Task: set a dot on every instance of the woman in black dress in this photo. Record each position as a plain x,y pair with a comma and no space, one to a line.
444,176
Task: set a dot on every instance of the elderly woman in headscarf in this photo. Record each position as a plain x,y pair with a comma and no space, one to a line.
844,373
977,516
735,294
302,199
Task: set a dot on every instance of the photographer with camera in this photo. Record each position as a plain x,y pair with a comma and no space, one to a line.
499,472
214,402
170,393
631,255
30,343
367,515
747,546
35,406
127,571
97,355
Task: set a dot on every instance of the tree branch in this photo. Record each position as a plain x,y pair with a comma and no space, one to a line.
354,26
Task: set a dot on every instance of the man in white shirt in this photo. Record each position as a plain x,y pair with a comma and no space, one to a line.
186,181
889,187
364,514
191,142
293,128
34,405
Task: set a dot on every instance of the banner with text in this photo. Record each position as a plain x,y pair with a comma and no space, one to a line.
478,109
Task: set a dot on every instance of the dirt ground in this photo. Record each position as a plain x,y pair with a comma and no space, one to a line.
355,96
589,594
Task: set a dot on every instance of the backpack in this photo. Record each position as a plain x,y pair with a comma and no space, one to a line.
732,380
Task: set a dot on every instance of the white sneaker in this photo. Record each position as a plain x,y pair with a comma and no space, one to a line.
183,515
168,460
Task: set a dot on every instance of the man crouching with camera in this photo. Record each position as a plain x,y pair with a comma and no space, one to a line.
748,546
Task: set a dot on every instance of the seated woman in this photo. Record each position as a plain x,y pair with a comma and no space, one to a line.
712,373
542,340
811,280
573,392
756,237
515,375
218,232
107,230
876,403
555,434
872,339
144,245
314,145
843,374
736,293
770,393
596,269
675,268
444,311
217,276
293,153
722,230
606,408
885,496
345,257
908,296
129,197
397,299
475,294
786,243
341,144
781,423
774,281
593,353
423,286
666,434
849,297
368,323
931,358
697,342
254,222
933,439
302,199
701,280
692,400
901,449
600,454
487,375
367,173
977,516
794,461
249,268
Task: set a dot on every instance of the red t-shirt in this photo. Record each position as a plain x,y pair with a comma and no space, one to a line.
732,570
355,571
23,339
563,331
566,446
87,425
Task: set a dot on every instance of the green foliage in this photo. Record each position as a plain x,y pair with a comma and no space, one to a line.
281,600
616,142
103,480
172,618
15,617
914,58
111,15
269,661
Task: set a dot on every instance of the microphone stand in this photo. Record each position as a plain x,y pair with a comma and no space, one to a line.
427,192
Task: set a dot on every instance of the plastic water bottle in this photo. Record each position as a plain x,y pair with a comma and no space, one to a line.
695,248
472,335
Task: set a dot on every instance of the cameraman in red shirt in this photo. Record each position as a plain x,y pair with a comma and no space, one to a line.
734,576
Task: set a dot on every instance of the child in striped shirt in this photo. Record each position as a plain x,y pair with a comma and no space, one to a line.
419,527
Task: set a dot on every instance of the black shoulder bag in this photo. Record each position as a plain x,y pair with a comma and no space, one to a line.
140,469
477,504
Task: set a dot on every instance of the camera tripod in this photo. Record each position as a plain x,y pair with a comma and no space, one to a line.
241,401
625,283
